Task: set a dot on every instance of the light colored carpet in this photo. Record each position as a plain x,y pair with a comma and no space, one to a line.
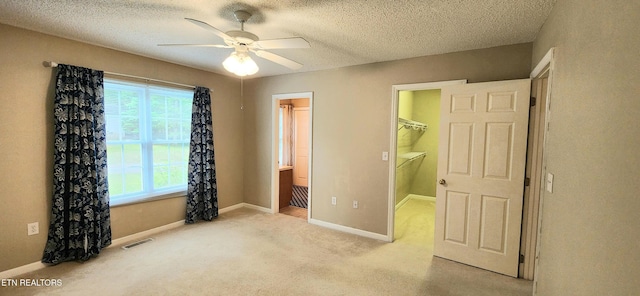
246,252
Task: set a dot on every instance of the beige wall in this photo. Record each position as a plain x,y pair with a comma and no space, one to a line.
427,110
26,133
418,176
405,172
590,243
351,128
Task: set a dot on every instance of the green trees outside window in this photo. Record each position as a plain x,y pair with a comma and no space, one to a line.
148,133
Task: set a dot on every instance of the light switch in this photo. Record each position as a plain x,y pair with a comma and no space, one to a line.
385,155
549,183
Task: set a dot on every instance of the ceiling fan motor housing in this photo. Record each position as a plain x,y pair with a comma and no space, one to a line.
243,37
245,42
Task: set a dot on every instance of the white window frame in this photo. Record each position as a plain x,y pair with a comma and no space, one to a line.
148,191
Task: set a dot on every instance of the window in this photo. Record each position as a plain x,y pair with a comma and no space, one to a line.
148,134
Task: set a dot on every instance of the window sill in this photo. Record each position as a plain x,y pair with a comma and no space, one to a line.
143,199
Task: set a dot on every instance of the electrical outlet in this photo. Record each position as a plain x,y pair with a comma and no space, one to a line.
333,200
355,204
33,228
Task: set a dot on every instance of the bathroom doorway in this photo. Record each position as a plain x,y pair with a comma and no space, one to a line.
292,135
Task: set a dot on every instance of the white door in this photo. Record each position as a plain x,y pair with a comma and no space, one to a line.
301,131
483,145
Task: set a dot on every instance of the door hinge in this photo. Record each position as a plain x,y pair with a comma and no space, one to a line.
521,258
532,101
527,181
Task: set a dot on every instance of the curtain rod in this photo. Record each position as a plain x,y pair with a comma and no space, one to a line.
54,64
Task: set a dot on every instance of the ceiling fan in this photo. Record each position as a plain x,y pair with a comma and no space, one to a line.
243,42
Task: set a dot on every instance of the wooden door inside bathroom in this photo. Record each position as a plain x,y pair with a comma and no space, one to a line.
292,154
301,141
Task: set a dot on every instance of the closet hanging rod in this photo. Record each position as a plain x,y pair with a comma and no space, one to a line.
54,64
410,156
410,124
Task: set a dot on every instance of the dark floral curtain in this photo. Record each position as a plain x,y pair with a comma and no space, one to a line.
202,192
80,223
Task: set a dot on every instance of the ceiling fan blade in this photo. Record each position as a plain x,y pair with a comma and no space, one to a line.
196,45
278,59
206,26
295,42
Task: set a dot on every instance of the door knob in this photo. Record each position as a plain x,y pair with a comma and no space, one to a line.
442,182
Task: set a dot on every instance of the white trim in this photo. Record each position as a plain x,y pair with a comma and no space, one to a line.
144,92
258,208
350,230
546,60
416,197
310,156
275,134
422,197
11,273
394,141
231,208
139,235
114,243
152,231
403,201
427,85
275,169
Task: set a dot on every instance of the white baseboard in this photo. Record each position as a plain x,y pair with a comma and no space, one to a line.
403,201
416,197
11,273
351,230
143,234
14,272
259,208
136,236
230,208
421,197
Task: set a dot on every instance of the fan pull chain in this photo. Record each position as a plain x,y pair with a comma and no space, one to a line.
241,93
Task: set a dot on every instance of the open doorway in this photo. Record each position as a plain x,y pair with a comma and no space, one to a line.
291,174
413,177
471,218
480,173
416,164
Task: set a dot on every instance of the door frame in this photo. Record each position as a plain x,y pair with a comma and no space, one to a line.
393,149
546,66
275,168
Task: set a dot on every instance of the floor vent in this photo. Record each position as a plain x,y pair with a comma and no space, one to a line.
129,246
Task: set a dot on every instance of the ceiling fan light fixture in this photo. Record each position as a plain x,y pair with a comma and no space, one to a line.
240,63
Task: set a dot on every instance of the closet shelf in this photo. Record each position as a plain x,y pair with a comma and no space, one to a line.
410,124
410,156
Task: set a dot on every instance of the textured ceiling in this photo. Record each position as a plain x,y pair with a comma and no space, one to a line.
341,33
